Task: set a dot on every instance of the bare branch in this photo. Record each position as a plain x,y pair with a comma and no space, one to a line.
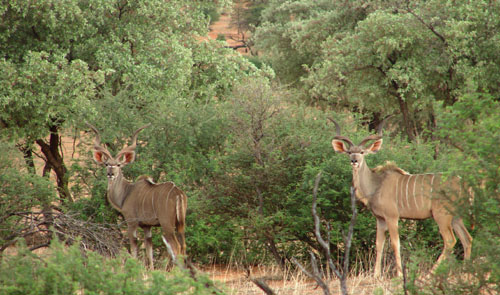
315,275
260,283
429,26
348,240
193,272
37,228
317,233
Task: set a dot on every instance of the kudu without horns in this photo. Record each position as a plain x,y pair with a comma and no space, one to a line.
391,193
143,203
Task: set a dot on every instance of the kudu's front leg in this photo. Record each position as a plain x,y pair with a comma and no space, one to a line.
392,225
132,236
148,239
380,242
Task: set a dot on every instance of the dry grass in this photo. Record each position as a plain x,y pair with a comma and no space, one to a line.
234,281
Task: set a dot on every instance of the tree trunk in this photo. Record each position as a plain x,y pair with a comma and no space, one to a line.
55,161
407,120
274,250
433,128
27,151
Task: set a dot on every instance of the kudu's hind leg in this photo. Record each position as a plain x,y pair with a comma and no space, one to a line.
463,235
170,237
444,222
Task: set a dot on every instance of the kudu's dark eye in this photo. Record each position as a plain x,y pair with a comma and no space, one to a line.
362,152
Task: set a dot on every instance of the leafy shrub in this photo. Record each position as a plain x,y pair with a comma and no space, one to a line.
69,271
20,192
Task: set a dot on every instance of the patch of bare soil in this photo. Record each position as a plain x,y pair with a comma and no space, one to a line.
235,282
225,28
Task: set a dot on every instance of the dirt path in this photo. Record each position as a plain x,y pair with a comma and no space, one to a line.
224,27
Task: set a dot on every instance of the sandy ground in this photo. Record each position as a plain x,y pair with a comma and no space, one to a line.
223,27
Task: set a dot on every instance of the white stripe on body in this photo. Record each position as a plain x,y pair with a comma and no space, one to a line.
143,213
408,182
414,196
432,185
397,193
168,195
402,195
153,206
422,197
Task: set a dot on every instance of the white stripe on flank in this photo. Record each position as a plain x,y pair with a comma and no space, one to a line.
432,186
422,193
415,197
153,205
408,202
397,193
402,192
143,213
168,195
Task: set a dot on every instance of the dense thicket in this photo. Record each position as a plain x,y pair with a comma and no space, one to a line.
246,142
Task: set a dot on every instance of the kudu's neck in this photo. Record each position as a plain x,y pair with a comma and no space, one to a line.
118,190
365,182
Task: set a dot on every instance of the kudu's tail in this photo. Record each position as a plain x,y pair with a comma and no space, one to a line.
180,209
470,191
463,235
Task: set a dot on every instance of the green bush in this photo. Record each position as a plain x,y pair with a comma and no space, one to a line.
68,270
472,125
20,193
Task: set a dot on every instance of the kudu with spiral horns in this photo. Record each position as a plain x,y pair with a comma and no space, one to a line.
143,203
391,193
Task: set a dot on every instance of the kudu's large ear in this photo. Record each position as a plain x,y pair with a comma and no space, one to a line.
99,157
375,146
125,157
339,146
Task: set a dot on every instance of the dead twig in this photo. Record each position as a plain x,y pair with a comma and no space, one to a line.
259,282
325,245
188,266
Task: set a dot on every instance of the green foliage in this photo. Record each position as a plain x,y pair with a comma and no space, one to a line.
44,90
69,271
291,32
381,57
20,192
244,148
